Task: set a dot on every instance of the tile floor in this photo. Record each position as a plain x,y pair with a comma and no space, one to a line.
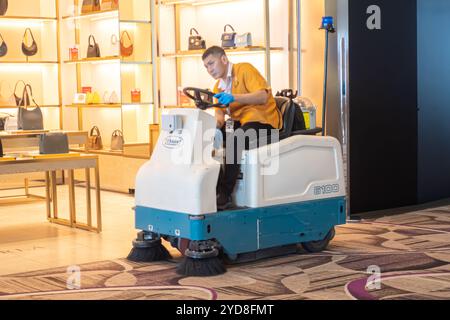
29,242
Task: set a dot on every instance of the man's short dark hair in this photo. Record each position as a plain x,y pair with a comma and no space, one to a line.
214,50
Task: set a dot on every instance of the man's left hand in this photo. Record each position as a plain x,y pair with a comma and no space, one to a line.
225,98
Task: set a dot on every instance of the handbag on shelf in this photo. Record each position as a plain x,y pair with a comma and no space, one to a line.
115,44
126,51
53,143
228,38
90,6
25,98
93,50
3,118
3,47
109,5
3,7
29,51
93,98
112,99
244,40
29,119
136,96
95,139
11,123
7,100
195,41
117,141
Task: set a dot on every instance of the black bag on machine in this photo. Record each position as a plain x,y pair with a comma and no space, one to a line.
228,38
3,7
93,49
3,47
29,119
53,143
195,41
29,50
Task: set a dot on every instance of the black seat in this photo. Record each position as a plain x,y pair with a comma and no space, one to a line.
287,114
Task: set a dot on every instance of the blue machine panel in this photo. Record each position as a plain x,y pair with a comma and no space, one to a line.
249,230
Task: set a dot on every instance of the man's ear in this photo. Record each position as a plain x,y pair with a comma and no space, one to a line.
224,59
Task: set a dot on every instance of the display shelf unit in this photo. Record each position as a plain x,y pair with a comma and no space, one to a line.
111,72
42,71
267,21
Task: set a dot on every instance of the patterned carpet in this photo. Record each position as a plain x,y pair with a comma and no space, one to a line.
411,250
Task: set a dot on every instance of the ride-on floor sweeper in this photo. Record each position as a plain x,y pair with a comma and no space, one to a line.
291,192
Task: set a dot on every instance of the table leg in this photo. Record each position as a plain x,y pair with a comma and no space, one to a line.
54,194
97,193
47,194
88,197
73,214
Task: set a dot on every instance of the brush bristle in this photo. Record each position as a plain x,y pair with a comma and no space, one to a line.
157,253
201,267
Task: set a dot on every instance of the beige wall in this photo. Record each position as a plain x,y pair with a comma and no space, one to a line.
313,46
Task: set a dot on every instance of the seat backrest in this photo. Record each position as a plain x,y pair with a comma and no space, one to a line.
287,113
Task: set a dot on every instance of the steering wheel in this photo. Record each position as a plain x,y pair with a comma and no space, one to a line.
203,98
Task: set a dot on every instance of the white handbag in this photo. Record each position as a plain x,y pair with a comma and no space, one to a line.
244,40
11,123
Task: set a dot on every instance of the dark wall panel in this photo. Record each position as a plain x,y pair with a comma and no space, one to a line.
434,99
383,106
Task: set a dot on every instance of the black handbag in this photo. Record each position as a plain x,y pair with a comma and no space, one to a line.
3,47
228,38
24,99
195,41
29,119
3,7
53,143
29,50
93,49
3,118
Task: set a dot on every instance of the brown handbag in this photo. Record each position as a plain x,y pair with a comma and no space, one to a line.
3,7
95,139
126,51
93,50
29,50
117,141
90,6
109,5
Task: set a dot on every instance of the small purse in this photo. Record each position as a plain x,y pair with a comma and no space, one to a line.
195,41
126,51
95,139
93,50
3,47
109,5
3,7
53,143
29,51
117,141
244,40
90,6
228,38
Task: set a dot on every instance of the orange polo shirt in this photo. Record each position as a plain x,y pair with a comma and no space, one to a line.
247,79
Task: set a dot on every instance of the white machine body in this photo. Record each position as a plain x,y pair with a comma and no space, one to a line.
182,174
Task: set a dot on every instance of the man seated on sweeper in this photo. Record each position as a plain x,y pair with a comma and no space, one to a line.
251,107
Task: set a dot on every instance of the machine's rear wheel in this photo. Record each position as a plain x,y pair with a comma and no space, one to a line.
318,246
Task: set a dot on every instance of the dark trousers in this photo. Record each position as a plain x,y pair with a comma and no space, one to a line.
255,135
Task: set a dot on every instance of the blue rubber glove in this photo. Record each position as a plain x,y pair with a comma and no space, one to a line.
224,98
